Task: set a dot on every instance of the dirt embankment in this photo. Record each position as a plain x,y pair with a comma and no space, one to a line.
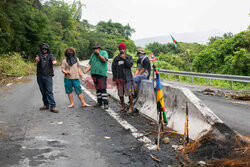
6,81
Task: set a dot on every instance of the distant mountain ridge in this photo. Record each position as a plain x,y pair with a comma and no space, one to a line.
200,37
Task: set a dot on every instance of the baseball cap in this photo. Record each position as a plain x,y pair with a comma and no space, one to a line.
141,50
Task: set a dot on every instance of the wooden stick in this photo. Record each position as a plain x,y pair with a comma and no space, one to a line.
154,158
159,131
170,131
186,132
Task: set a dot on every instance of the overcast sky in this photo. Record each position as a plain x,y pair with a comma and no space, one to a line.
163,17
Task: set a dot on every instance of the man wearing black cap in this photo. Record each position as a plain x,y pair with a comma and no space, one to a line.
45,61
98,64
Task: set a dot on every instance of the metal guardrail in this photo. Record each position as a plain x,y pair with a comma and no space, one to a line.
231,78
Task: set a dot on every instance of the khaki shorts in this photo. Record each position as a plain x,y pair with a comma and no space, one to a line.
126,89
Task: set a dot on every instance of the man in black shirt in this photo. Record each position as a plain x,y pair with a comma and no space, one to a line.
143,69
45,61
122,75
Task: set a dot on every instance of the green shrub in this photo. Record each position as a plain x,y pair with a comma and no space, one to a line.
12,64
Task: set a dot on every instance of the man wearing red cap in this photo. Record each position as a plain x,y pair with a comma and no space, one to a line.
122,76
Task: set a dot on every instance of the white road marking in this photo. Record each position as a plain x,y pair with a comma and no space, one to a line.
126,125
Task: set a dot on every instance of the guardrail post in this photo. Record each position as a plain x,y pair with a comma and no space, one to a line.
209,81
192,79
168,76
179,78
231,84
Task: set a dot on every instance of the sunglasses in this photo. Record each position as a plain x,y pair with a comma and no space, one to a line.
44,48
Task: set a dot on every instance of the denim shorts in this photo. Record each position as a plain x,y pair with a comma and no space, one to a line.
70,83
137,79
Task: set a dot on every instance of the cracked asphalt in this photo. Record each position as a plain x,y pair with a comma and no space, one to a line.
73,137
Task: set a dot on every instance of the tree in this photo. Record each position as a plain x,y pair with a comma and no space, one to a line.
228,55
213,39
128,31
115,29
21,26
155,47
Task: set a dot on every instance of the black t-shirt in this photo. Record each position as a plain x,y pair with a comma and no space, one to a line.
45,66
144,63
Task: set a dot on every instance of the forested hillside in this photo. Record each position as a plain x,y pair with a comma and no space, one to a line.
229,54
25,24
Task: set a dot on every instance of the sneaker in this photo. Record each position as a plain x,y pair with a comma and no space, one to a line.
106,106
54,110
44,108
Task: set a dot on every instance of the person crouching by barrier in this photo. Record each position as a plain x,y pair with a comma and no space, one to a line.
122,76
143,69
71,69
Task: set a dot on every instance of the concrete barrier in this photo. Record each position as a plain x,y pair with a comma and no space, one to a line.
201,118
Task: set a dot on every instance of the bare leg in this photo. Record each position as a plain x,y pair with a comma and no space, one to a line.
81,98
130,110
122,103
71,100
135,87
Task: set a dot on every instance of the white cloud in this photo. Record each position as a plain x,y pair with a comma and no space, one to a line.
163,17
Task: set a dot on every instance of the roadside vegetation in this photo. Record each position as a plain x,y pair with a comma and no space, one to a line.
229,54
25,24
13,64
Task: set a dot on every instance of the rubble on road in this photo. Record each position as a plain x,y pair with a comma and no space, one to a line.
165,140
177,148
233,152
207,150
228,94
240,97
209,92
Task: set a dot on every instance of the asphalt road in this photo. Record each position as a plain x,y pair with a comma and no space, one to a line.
236,116
73,137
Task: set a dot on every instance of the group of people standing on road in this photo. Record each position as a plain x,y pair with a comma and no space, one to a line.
127,84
